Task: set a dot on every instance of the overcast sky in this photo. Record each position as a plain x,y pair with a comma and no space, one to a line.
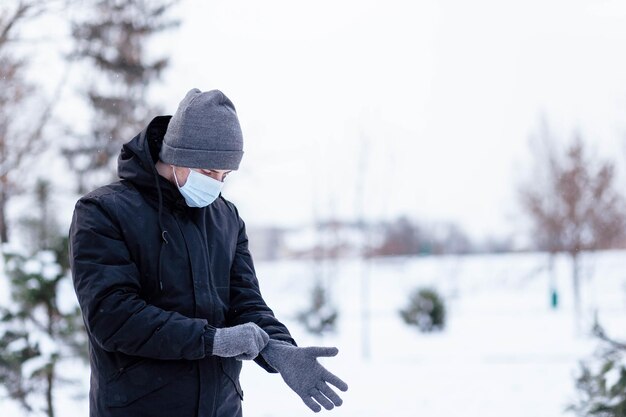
428,103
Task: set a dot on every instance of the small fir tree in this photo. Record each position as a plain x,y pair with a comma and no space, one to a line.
425,310
601,383
321,316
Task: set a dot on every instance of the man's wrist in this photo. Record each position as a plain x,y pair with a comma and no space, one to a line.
271,355
208,338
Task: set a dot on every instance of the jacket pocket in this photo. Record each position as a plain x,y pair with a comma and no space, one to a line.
141,378
232,368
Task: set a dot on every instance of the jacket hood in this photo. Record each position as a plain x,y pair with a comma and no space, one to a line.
136,163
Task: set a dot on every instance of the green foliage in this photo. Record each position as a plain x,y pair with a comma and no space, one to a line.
321,316
15,350
36,331
425,309
601,383
35,320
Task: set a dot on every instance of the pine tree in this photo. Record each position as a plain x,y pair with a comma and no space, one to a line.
321,316
35,333
601,383
426,310
112,37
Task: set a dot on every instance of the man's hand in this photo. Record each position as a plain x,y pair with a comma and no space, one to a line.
243,341
304,374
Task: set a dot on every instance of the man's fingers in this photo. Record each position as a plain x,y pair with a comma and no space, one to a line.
322,351
311,404
335,380
328,392
320,398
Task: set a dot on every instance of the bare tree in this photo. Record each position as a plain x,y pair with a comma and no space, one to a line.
17,139
112,36
402,237
574,205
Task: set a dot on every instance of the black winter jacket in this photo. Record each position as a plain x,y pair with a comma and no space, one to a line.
154,279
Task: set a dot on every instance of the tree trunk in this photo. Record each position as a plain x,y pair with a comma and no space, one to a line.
576,288
552,281
51,365
4,227
49,388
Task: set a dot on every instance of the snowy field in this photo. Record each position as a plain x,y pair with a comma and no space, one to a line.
504,352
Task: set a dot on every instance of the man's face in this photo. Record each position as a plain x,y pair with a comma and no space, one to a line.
182,173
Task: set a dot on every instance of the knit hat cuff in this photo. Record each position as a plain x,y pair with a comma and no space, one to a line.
199,158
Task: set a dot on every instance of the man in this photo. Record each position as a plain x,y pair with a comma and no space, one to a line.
166,283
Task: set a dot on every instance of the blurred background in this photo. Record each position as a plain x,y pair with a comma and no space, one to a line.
437,188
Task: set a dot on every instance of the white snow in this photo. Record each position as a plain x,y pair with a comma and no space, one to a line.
504,351
32,266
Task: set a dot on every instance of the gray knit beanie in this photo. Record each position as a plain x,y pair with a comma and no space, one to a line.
203,133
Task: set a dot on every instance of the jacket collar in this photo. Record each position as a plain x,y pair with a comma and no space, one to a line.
136,164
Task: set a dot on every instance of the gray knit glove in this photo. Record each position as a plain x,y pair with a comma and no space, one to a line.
243,341
304,374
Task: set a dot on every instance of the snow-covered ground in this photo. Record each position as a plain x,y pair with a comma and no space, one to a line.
504,352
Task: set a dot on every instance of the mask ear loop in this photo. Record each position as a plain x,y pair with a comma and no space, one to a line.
175,179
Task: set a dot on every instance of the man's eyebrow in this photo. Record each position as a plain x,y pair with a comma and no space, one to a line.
211,170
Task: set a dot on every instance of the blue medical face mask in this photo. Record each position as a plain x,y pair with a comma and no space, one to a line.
199,190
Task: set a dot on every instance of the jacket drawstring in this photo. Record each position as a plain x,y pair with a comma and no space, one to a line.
163,231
